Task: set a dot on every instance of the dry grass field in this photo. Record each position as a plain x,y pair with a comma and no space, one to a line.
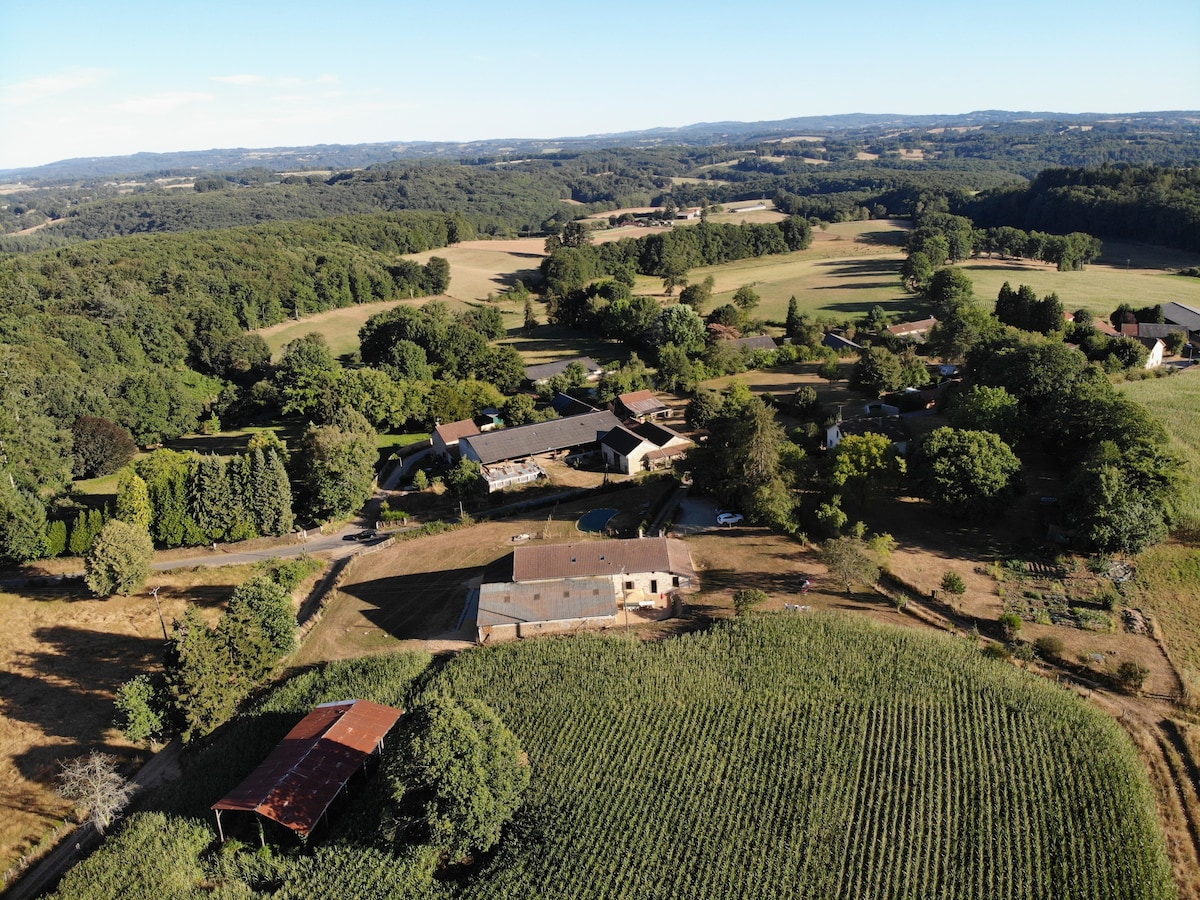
63,654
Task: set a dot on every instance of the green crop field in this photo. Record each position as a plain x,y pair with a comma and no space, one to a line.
776,756
1175,401
811,758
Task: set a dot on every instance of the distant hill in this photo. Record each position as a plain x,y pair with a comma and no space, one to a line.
350,156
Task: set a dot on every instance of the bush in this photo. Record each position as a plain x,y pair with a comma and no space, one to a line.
952,583
996,651
1131,676
1010,624
748,599
1049,647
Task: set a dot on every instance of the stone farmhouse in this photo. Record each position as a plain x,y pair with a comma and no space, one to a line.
557,588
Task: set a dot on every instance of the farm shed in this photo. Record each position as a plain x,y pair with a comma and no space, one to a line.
641,405
540,374
755,342
912,331
580,433
299,780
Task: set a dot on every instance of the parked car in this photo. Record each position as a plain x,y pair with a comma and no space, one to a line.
729,518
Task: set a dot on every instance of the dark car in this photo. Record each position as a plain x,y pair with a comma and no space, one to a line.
366,534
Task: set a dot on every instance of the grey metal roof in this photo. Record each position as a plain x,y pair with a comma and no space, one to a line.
550,369
566,598
566,405
837,342
1181,314
756,342
540,437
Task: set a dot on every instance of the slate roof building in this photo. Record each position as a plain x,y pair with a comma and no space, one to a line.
755,342
1182,314
539,374
635,446
306,772
555,588
508,456
844,346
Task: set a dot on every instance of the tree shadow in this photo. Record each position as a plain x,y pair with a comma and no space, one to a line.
420,606
66,686
527,277
857,268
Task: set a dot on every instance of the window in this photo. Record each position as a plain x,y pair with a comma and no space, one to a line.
629,585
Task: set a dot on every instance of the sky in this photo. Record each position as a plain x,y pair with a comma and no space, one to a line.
91,78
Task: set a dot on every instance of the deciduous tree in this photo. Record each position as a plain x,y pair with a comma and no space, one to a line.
93,783
466,772
969,474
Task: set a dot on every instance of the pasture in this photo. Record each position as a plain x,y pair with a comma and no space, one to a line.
1099,288
1168,575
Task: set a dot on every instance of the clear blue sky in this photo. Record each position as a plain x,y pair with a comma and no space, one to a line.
107,77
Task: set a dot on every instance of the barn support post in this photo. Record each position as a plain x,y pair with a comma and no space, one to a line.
220,831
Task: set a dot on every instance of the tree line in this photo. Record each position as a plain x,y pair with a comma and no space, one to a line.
1150,204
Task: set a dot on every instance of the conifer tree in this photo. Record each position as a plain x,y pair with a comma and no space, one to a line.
133,500
209,497
81,537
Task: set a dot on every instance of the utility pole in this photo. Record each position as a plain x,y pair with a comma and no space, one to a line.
161,621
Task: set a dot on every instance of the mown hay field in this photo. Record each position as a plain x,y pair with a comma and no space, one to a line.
808,756
1099,288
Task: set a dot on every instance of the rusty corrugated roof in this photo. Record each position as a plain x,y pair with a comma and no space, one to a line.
296,783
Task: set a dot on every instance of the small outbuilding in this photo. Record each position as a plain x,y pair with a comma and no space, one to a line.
309,769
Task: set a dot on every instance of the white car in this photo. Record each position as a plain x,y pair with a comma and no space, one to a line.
728,518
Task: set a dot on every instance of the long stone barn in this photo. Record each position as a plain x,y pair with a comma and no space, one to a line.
508,456
557,588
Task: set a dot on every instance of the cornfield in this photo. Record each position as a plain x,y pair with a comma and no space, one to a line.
814,758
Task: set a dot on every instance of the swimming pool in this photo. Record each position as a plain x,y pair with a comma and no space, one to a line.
595,519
